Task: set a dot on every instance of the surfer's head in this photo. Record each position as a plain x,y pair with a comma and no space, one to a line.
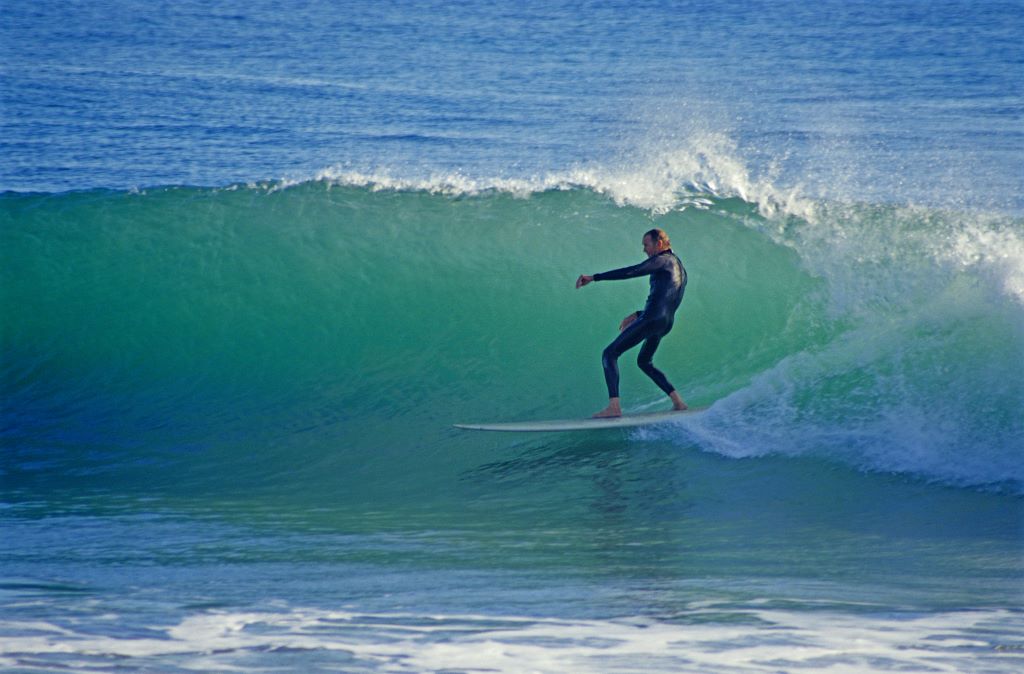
656,241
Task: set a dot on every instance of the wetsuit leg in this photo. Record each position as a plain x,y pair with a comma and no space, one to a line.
637,331
645,363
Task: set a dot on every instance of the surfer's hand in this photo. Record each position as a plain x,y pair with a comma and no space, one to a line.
627,321
583,280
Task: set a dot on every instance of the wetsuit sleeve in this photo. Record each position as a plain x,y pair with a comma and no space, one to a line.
645,268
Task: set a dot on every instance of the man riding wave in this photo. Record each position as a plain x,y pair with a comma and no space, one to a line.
668,283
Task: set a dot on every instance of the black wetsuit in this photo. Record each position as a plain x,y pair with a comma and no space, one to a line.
668,283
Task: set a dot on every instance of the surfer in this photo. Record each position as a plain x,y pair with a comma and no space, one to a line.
668,283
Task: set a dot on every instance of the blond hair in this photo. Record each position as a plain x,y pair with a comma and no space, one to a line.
658,236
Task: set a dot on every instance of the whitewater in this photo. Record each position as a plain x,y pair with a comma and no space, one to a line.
256,261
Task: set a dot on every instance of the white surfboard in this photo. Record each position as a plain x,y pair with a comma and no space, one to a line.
625,421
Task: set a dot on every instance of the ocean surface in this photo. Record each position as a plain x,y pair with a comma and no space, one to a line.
257,258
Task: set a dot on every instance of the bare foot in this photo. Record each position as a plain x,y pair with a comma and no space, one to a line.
677,402
613,410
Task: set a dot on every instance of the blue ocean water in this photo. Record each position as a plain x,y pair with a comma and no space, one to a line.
256,259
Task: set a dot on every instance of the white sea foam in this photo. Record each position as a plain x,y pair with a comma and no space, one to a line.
882,397
704,640
706,164
994,251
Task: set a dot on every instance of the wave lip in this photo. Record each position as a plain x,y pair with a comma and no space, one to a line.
706,165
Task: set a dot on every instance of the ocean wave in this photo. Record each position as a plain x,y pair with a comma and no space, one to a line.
887,338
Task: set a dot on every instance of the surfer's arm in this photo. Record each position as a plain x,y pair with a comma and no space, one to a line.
645,268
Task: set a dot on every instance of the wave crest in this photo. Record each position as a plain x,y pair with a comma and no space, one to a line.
706,166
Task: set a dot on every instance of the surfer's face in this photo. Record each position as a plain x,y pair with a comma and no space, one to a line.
650,247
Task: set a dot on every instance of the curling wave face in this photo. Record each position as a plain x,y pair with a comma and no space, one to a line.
171,331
